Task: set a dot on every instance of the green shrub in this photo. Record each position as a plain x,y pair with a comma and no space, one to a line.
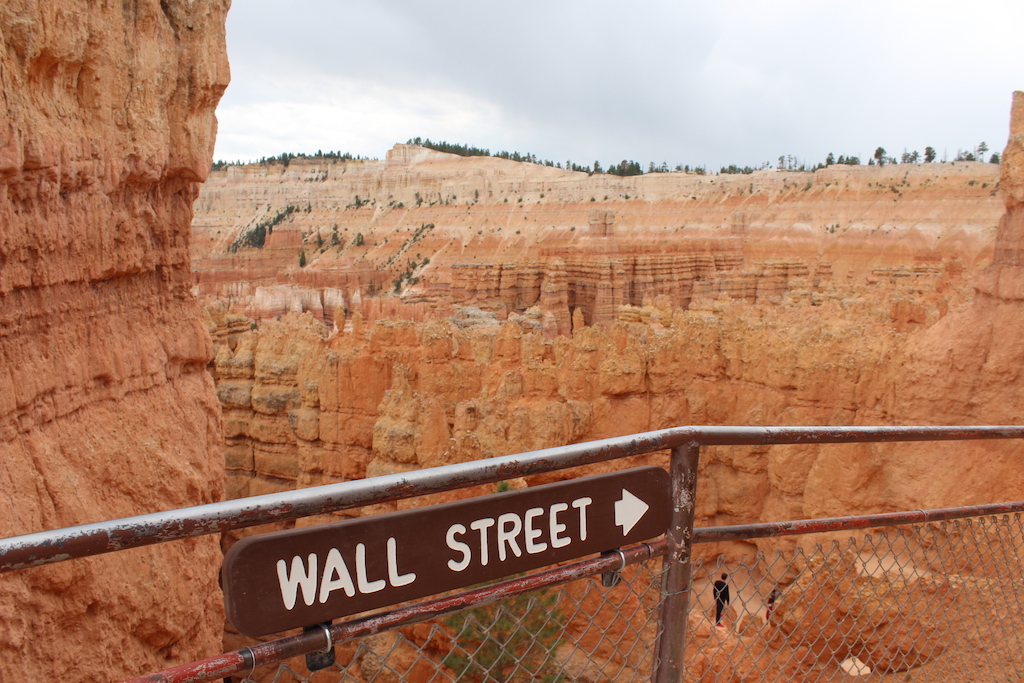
513,640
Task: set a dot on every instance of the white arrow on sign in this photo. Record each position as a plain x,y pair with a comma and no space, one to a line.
629,510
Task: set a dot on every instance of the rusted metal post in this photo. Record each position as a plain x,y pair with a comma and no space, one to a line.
675,607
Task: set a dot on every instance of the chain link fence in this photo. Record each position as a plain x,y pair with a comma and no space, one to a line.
581,631
924,602
927,601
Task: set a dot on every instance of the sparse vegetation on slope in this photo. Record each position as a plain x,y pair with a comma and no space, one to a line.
257,236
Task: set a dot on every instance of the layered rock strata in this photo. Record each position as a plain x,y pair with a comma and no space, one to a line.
106,408
422,233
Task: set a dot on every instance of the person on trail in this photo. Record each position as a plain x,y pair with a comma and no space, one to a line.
772,597
721,597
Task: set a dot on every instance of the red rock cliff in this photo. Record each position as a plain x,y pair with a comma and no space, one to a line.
106,409
966,369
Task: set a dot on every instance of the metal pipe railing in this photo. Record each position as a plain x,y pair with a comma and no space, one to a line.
684,442
746,532
57,545
676,583
274,651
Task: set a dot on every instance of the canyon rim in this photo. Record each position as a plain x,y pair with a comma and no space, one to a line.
373,317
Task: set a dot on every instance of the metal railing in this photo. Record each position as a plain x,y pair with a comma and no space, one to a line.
955,588
658,644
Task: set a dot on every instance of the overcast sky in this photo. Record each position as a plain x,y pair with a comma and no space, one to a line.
700,83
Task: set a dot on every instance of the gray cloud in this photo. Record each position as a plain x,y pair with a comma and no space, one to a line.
690,82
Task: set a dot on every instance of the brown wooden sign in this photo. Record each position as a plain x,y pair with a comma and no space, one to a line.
283,580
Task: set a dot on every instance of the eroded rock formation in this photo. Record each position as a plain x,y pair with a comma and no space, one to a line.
304,408
106,409
910,344
422,233
965,369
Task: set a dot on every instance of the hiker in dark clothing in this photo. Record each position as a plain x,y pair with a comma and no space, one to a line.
772,597
721,598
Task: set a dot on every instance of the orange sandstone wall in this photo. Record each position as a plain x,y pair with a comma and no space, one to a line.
302,409
966,369
106,408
